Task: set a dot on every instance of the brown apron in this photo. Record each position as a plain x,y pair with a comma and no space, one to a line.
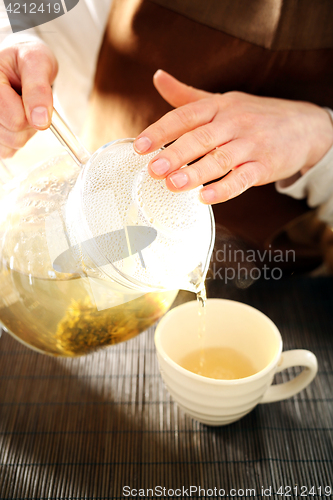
263,47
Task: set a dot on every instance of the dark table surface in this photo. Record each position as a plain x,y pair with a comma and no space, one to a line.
85,428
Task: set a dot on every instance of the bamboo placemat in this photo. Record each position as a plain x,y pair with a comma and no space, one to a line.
85,428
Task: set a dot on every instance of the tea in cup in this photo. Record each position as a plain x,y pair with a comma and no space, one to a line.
220,377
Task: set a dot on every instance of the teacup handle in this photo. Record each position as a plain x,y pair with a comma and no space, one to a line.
297,357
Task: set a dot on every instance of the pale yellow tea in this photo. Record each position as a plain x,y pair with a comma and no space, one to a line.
58,317
222,363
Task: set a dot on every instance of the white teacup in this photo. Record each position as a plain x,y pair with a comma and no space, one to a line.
233,325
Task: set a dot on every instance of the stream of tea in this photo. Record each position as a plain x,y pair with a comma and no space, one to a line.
218,362
202,310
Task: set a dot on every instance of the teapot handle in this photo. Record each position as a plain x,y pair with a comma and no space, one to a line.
68,139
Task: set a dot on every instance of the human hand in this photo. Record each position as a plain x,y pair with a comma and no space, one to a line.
27,71
247,140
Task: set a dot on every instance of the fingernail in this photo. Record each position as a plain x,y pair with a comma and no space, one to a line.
160,166
179,180
208,195
142,145
40,117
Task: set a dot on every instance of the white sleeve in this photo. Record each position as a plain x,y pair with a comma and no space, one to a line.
75,39
316,185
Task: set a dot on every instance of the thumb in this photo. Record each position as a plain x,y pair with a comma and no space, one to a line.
38,69
175,92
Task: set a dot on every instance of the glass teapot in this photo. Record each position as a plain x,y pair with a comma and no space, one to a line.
93,250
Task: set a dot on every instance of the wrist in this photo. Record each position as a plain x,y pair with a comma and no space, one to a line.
322,140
